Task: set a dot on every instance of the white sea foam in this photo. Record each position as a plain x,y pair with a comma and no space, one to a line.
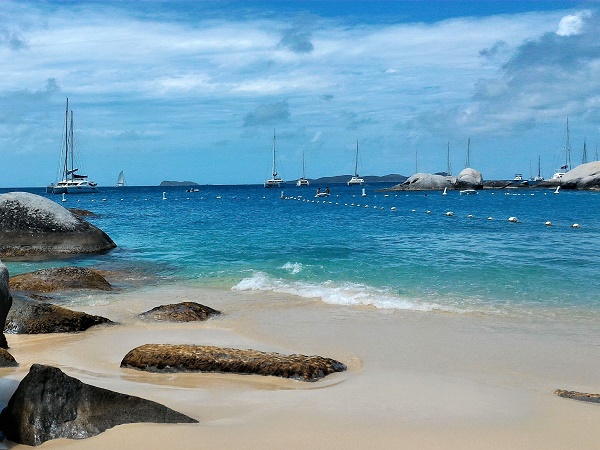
293,268
353,294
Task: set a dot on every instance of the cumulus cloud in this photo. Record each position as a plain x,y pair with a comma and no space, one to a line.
268,114
572,24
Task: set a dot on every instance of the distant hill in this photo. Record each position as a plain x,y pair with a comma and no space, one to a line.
178,183
391,178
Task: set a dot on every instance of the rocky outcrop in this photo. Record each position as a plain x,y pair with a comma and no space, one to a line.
469,179
48,404
60,279
34,226
584,176
29,316
6,359
180,312
193,358
582,396
427,181
5,303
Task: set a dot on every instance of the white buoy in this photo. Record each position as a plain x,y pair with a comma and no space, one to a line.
513,219
449,213
489,218
413,210
364,194
548,223
428,212
164,196
393,208
575,225
470,216
282,195
63,197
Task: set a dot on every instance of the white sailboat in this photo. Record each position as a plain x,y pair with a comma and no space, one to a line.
558,173
356,180
302,181
539,176
71,182
120,180
275,180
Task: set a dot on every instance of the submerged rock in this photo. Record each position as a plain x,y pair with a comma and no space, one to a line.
582,396
48,404
180,312
194,358
34,226
59,279
29,316
6,359
5,303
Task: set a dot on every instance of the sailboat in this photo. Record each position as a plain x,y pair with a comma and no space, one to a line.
539,176
275,180
120,180
302,181
71,182
356,180
558,173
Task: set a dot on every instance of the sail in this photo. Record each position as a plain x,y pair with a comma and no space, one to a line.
121,179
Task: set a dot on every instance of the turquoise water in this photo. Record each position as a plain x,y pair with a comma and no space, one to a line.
248,238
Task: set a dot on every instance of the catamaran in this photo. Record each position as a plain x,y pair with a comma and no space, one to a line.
356,180
275,180
558,173
302,181
71,182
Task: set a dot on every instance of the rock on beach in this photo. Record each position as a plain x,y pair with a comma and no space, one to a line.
59,279
32,226
582,396
5,303
194,358
180,312
48,404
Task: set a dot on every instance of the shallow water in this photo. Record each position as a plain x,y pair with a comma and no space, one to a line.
353,250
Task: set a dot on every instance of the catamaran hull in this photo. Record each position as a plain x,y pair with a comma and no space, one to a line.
71,189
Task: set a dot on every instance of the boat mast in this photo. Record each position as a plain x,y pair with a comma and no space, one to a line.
356,160
539,166
303,164
467,162
584,157
66,165
568,149
72,147
449,170
274,146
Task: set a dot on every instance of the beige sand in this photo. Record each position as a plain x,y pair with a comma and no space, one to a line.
426,380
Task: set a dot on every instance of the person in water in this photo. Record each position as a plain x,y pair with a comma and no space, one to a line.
318,191
327,190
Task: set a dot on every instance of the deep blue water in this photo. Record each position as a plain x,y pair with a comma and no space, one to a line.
247,237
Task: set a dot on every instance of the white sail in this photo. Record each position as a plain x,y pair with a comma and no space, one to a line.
121,180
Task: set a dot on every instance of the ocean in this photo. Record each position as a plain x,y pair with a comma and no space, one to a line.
455,254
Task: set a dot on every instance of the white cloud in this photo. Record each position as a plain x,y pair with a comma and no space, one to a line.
572,24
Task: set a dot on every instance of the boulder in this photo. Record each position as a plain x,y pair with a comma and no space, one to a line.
469,179
5,303
6,359
34,226
194,358
426,181
584,176
582,396
180,312
48,404
29,316
60,279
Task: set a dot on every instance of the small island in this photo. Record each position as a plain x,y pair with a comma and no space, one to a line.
178,183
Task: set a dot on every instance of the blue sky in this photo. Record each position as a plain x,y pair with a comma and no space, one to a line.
173,90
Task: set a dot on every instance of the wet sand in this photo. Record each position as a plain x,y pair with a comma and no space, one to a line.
414,379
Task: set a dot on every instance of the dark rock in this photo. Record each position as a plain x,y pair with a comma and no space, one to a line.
29,316
82,212
32,226
582,396
5,302
194,358
59,279
6,359
181,312
48,404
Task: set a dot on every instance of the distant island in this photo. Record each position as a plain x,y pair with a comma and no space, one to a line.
178,183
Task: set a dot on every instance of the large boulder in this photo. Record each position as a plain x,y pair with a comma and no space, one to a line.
60,279
48,404
34,226
6,359
584,176
426,181
29,316
5,303
469,179
180,312
195,358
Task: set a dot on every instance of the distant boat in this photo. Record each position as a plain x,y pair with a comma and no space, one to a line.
518,177
468,191
121,180
275,180
324,193
356,180
539,176
558,173
302,181
71,182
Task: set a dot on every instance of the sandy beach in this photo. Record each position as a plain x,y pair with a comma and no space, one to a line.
414,379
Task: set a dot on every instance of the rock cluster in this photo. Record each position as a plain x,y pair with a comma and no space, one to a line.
34,226
582,396
467,179
194,358
48,404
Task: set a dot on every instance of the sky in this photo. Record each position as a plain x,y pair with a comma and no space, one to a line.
194,90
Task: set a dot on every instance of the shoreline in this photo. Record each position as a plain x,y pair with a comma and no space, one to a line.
427,379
